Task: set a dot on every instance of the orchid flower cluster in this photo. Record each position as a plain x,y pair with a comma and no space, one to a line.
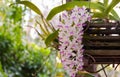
70,39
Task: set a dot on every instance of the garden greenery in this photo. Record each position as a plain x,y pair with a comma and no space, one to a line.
70,57
19,58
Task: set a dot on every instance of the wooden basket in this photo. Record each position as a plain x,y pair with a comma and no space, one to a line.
102,43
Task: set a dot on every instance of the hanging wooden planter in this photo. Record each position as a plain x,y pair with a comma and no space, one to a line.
102,43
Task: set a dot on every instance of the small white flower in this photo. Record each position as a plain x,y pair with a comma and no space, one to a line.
70,39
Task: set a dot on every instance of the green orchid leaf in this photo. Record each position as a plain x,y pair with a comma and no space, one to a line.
111,6
103,15
98,15
112,17
31,6
116,16
105,3
70,5
51,38
85,74
42,28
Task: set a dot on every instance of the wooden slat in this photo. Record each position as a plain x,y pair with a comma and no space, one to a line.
96,25
103,38
103,52
103,31
101,44
105,59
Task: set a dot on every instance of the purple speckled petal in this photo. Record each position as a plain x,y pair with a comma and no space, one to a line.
71,51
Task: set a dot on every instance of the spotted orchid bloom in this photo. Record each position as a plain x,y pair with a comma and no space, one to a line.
70,39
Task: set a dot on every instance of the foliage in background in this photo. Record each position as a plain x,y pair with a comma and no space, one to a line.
100,10
2,73
17,57
11,46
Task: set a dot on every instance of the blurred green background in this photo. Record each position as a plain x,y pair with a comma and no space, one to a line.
18,56
22,55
